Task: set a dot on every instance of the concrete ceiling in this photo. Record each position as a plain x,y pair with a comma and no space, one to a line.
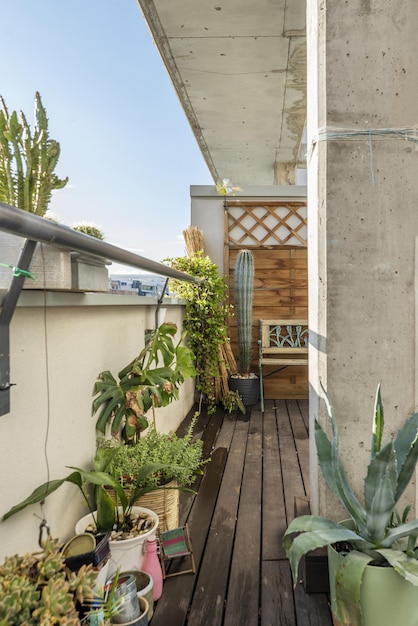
239,69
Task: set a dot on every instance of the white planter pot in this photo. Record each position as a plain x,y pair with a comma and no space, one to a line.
126,554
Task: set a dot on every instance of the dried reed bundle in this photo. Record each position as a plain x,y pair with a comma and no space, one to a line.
193,237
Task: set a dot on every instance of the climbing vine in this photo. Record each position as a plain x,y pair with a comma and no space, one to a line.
206,320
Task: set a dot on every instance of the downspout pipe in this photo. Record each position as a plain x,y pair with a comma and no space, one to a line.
36,228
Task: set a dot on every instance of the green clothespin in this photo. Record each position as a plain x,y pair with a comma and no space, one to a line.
17,271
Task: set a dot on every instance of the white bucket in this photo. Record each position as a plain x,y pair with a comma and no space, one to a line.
125,554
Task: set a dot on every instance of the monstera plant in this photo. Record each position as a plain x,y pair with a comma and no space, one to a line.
152,379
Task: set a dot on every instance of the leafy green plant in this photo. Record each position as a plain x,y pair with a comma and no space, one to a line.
379,535
89,229
111,510
180,456
37,588
27,160
152,379
232,401
206,319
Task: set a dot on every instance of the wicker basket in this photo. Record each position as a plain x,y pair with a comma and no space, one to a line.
164,502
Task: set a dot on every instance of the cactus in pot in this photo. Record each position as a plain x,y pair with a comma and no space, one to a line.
245,383
243,286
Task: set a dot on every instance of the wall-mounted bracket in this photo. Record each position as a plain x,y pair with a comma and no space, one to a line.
8,307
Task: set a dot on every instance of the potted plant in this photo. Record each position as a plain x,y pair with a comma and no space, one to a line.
27,178
88,271
372,556
152,379
37,588
206,324
180,457
245,382
27,160
111,511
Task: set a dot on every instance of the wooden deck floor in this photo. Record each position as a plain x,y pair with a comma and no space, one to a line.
244,502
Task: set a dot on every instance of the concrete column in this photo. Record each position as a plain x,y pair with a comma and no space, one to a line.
363,220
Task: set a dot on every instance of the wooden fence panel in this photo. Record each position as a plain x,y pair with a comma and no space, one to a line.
280,282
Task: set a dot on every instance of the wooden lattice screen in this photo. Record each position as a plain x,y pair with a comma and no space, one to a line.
276,233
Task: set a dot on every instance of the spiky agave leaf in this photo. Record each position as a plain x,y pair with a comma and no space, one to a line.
333,471
378,424
315,532
406,450
379,492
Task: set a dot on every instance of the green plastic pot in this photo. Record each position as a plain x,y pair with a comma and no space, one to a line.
387,599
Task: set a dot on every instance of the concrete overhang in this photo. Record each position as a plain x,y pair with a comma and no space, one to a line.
239,70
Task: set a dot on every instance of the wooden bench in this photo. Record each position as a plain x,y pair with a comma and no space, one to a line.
283,343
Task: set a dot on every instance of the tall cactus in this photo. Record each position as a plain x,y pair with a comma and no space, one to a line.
27,161
243,284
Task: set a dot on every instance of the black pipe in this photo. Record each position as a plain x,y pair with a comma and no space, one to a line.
38,228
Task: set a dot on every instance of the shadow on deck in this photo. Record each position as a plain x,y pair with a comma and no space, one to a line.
244,503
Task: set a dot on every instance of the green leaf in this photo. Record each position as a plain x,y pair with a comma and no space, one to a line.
378,424
348,583
334,474
39,494
379,492
316,532
406,566
106,511
399,532
406,450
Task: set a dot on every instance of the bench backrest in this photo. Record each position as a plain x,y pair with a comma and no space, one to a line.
288,336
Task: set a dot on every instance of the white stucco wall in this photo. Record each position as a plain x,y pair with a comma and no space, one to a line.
56,353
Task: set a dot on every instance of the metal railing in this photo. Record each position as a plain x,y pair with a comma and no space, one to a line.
38,228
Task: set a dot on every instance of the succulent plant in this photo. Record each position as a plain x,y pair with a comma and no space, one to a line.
37,588
243,285
27,160
89,229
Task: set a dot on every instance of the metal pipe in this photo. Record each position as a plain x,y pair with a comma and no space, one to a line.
38,228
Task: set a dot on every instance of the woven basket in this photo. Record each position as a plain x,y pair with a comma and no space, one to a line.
164,502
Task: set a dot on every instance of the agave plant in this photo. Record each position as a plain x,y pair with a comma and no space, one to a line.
376,533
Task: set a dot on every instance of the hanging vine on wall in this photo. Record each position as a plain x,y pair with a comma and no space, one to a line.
206,323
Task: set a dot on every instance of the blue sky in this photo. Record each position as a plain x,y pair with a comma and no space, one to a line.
126,145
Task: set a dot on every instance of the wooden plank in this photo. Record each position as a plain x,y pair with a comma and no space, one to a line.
292,480
207,428
301,439
311,609
277,603
274,516
304,411
242,606
208,602
174,603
